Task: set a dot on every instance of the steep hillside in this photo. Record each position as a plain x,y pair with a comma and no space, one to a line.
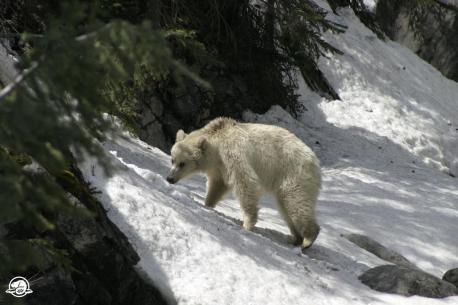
387,149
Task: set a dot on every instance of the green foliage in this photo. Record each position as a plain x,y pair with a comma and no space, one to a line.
363,13
265,42
145,78
38,252
300,41
20,15
300,26
56,109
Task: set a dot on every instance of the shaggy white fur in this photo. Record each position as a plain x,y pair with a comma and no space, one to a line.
251,159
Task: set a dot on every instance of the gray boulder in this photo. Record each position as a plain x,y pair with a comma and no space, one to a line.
451,276
407,281
379,250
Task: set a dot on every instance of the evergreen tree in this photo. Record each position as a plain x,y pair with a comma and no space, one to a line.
54,109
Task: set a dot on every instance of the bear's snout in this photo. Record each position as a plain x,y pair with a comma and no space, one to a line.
170,180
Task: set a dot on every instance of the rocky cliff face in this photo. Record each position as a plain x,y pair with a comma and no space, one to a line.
430,31
104,268
99,263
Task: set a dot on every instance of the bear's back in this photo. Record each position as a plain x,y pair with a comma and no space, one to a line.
275,153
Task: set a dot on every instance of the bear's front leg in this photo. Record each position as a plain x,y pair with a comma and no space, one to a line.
249,205
216,189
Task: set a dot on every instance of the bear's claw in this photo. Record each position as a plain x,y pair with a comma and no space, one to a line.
307,242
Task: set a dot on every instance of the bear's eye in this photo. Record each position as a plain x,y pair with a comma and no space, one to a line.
181,164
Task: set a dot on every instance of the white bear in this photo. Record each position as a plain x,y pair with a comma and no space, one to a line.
251,159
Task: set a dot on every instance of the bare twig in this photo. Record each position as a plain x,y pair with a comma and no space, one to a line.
21,77
93,34
18,80
18,35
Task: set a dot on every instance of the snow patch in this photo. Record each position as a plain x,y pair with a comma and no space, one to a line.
380,148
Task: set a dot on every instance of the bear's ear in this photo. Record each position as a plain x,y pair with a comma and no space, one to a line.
202,143
180,135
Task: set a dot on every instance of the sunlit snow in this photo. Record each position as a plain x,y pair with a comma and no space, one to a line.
385,149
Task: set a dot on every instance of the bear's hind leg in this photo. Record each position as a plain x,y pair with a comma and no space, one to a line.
295,238
301,214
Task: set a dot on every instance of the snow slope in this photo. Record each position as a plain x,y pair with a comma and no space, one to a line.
380,147
7,71
370,4
390,92
200,256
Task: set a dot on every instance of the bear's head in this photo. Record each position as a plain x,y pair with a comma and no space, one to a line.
187,156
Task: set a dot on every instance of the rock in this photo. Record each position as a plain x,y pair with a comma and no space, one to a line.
91,290
54,287
185,107
147,117
153,134
379,250
451,276
406,281
434,43
98,267
156,106
170,127
105,262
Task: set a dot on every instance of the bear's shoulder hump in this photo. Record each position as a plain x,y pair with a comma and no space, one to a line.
218,124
